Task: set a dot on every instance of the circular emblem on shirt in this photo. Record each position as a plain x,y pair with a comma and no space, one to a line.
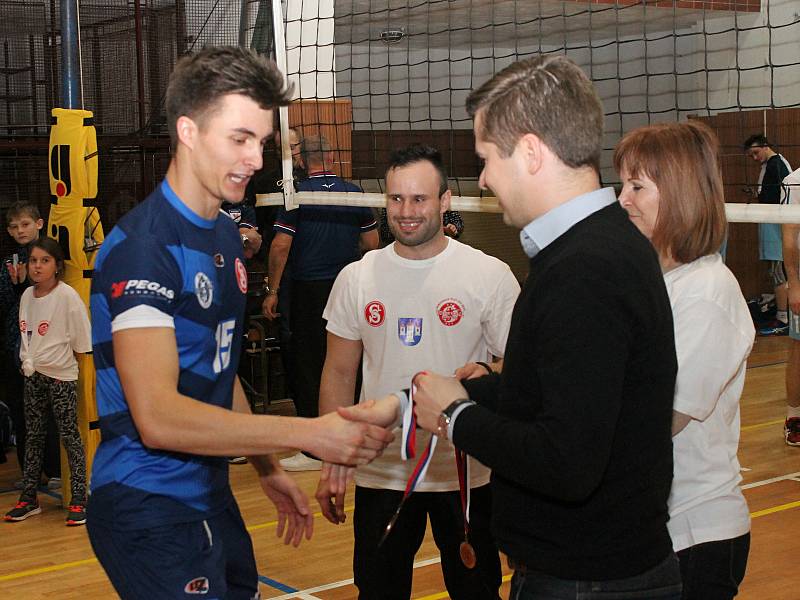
450,312
43,327
23,326
241,276
375,313
203,289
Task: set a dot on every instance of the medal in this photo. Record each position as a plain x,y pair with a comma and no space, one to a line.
465,549
467,554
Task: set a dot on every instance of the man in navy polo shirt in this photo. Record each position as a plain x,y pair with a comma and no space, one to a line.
323,240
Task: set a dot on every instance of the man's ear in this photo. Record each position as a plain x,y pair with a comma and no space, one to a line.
39,224
187,130
444,201
532,152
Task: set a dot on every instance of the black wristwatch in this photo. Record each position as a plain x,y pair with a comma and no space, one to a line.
443,424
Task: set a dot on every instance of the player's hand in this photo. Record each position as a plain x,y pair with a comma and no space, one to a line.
269,307
347,442
331,490
383,413
434,393
451,230
794,299
294,512
253,244
470,371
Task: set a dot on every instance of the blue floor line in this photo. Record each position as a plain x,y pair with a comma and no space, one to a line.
277,585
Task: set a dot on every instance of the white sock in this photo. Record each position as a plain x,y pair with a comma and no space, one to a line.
792,411
782,316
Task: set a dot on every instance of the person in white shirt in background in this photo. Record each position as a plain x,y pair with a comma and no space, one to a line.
672,190
54,324
423,302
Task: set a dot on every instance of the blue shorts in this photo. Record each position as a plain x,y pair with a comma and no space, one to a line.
210,559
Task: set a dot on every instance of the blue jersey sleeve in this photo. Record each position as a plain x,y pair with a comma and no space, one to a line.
141,271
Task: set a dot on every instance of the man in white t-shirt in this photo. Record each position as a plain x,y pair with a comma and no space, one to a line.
429,302
791,260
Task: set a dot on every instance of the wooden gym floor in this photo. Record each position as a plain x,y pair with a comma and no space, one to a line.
41,558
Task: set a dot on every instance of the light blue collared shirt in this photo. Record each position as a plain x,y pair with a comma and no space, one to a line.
544,230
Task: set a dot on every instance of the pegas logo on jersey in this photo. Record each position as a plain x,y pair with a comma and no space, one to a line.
450,312
141,287
375,313
409,330
203,289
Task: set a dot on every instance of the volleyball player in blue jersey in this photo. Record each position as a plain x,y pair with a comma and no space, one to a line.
168,297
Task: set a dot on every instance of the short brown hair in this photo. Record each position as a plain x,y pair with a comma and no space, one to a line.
682,160
549,96
199,81
22,208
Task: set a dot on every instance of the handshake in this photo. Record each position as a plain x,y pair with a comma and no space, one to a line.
432,394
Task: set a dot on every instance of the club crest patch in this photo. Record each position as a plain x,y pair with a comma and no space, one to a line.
375,313
241,276
198,585
203,289
44,326
450,312
409,330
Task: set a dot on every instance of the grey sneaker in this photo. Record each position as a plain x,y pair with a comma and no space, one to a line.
300,462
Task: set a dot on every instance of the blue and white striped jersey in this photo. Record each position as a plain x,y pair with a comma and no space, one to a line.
164,265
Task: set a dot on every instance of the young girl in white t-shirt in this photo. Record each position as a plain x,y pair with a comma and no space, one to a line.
54,326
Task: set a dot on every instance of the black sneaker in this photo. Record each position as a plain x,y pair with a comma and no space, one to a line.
23,510
76,514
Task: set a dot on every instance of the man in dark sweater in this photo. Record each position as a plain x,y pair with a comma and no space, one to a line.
576,429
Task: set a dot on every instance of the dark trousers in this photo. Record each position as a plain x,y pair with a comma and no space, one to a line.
15,393
308,342
385,573
662,582
714,570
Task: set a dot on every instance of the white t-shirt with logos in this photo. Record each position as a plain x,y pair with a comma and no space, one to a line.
435,314
713,337
51,329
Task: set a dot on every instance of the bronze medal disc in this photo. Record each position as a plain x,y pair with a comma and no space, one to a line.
467,553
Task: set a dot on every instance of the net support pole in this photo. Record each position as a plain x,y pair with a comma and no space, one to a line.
283,111
71,92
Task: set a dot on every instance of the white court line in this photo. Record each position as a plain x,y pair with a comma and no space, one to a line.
306,594
790,476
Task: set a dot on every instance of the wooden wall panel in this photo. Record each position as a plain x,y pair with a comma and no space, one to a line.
782,128
332,119
371,150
